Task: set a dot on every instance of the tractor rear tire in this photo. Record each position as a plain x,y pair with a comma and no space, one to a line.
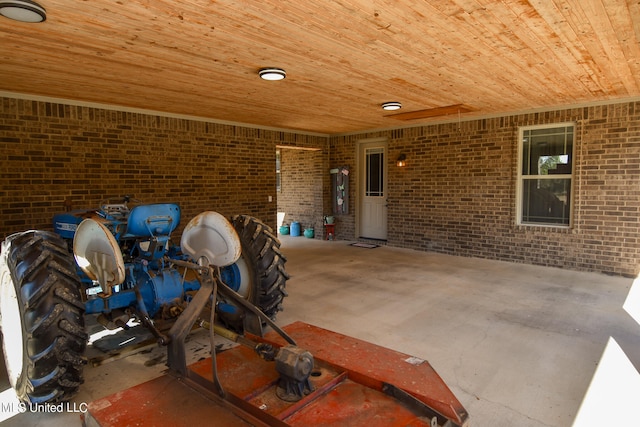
42,317
264,262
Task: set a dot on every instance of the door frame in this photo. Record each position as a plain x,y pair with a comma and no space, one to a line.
360,162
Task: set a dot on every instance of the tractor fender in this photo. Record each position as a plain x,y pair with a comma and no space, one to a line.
210,239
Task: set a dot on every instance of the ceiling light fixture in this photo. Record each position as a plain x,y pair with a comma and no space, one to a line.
272,74
391,106
23,10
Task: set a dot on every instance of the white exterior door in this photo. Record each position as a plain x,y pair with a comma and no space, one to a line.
373,189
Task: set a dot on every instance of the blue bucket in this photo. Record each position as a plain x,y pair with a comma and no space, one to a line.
295,229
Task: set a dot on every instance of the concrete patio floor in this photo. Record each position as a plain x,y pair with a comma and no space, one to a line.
517,344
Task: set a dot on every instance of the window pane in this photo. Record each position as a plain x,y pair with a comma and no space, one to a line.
375,168
547,151
546,201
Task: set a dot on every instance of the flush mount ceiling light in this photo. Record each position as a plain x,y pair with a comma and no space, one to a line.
23,10
391,106
272,73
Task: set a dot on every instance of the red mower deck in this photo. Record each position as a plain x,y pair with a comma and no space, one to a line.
355,383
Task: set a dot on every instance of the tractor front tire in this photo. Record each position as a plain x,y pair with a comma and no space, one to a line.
261,266
41,317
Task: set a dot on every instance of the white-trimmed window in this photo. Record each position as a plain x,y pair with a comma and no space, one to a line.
545,173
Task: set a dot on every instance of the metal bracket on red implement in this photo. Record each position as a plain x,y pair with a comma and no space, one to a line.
419,407
292,363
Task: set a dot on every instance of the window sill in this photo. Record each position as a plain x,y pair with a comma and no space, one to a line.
546,227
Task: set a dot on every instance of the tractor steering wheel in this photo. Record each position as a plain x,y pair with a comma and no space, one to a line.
117,206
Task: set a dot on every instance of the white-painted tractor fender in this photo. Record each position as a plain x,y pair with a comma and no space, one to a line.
210,239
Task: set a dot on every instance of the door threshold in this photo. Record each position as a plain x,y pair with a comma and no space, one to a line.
371,240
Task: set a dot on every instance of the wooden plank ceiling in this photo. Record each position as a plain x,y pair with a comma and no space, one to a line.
343,58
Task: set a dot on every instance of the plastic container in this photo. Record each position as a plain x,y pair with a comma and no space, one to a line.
308,233
284,230
295,229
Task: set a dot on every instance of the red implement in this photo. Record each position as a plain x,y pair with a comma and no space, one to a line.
355,383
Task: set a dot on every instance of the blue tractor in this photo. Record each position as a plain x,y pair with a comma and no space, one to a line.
119,263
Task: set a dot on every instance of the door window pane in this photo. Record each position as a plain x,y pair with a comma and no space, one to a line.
375,172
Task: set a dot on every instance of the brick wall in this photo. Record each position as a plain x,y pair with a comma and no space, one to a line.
51,153
457,193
